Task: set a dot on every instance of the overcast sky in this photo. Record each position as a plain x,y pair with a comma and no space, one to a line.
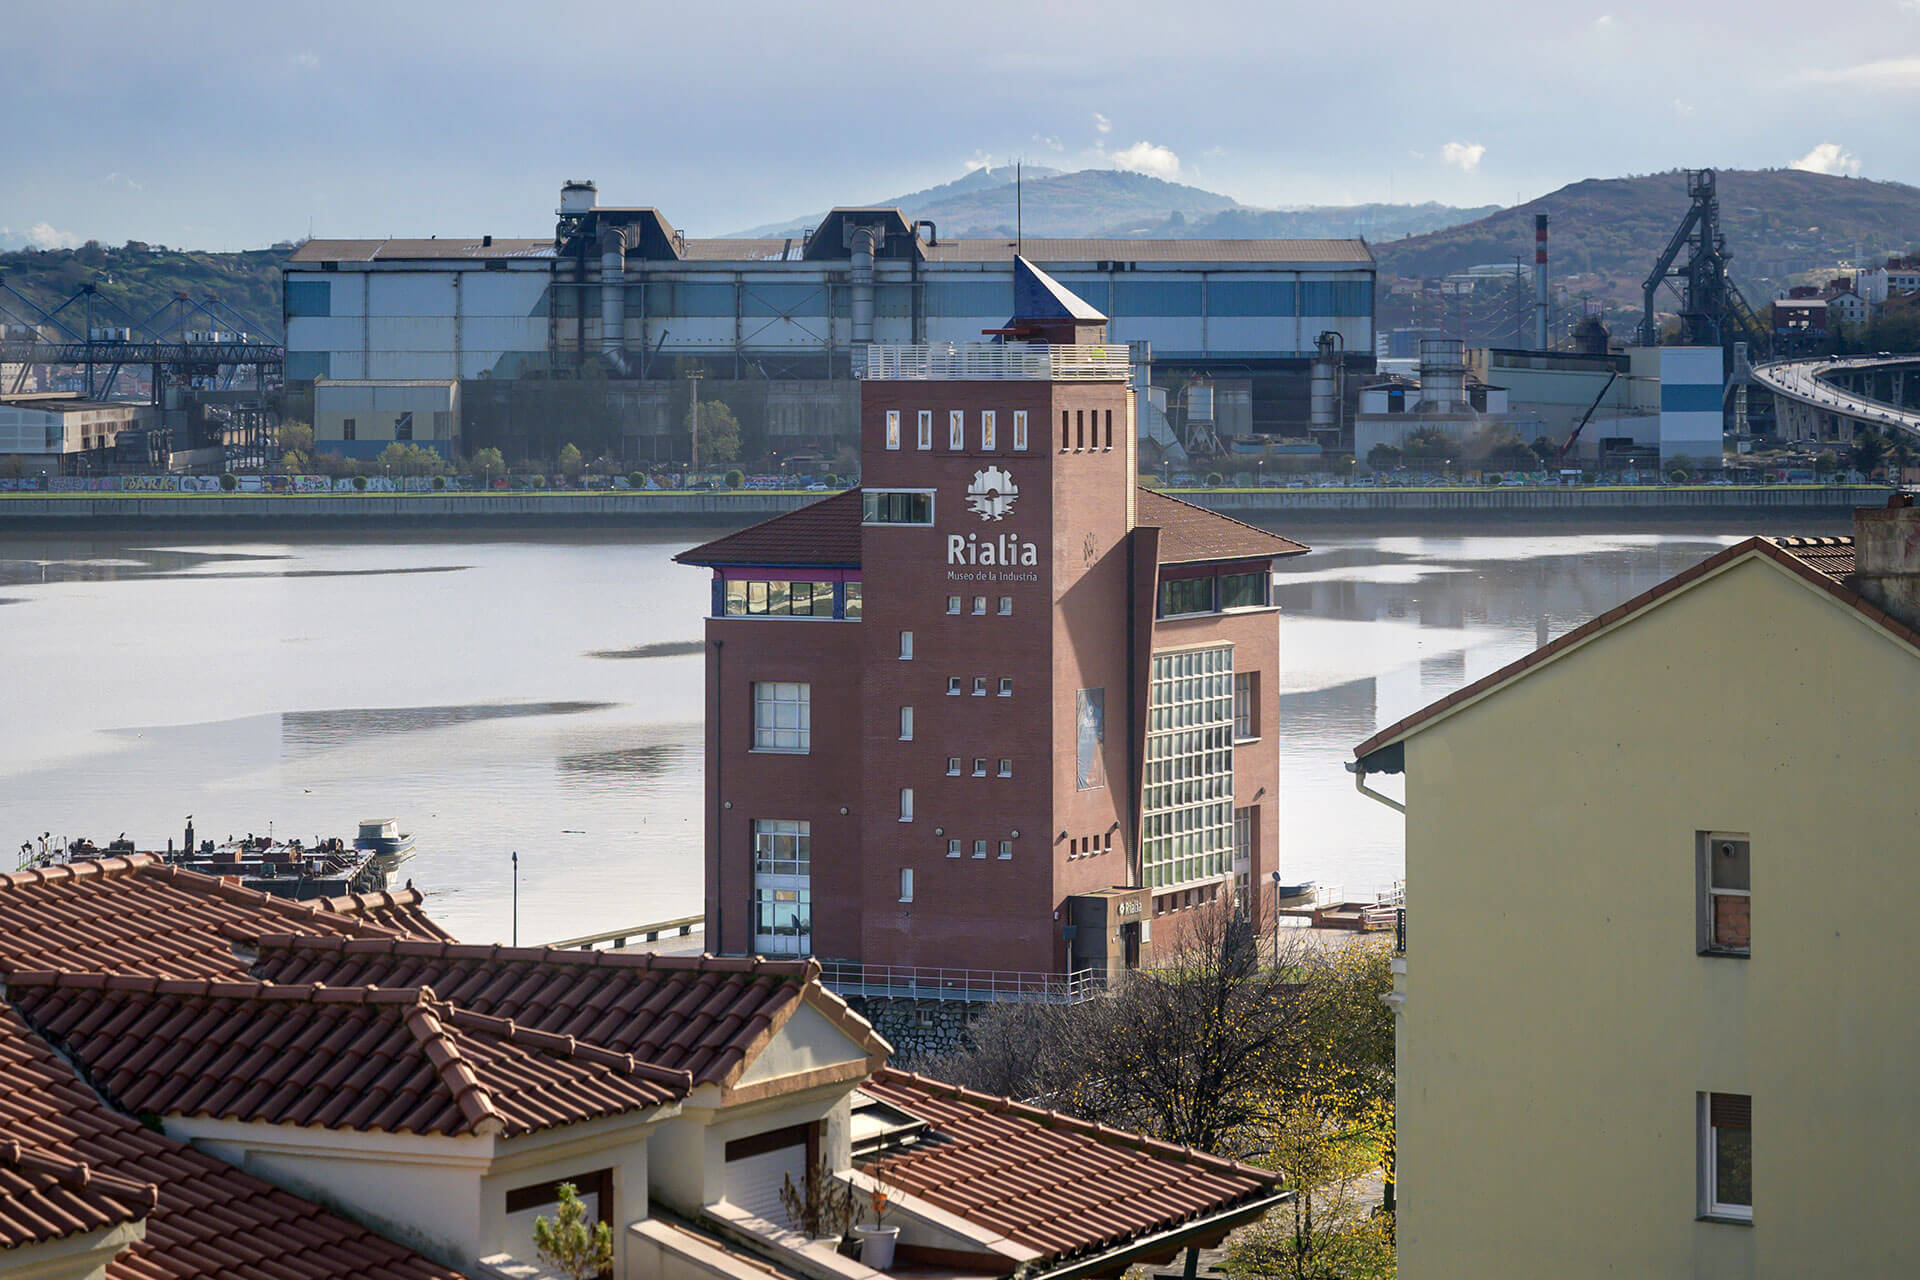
228,125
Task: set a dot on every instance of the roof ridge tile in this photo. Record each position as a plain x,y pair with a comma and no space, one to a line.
443,1051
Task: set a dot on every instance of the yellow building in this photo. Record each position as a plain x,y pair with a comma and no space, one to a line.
1658,1011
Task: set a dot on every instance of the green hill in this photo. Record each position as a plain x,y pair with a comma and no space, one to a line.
1317,222
1606,233
927,198
135,280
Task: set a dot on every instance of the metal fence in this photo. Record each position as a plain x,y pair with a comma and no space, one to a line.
970,985
992,362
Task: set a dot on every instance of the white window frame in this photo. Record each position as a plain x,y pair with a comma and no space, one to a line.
979,766
1006,767
989,429
954,687
1709,895
1020,430
1006,606
893,428
953,848
801,741
980,849
924,438
906,884
1006,686
956,429
906,646
906,804
1246,709
953,766
979,686
1710,1203
953,604
906,724
979,606
1006,851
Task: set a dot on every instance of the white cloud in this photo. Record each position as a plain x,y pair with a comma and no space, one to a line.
44,235
306,60
1887,73
1101,123
1464,156
981,160
1051,144
1829,157
1605,22
1148,158
124,181
1682,108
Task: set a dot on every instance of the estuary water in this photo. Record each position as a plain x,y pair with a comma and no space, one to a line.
541,694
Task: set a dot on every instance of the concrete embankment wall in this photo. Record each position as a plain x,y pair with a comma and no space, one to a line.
1776,505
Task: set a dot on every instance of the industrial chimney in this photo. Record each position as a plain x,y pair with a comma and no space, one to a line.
1539,282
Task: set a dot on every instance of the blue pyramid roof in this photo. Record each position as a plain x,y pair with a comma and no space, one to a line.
1038,296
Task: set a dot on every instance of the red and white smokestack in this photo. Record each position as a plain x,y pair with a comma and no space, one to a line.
1539,282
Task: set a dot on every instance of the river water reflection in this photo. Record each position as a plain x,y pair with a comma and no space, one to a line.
543,694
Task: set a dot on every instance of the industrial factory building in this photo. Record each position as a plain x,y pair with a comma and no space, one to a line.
620,301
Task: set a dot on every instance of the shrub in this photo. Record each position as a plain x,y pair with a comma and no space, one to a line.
735,479
1215,480
439,482
360,483
831,480
1677,476
536,482
637,479
228,482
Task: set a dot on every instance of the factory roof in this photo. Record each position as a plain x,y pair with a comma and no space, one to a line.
393,250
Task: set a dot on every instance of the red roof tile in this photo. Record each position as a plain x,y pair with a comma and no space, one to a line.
134,915
210,1221
1812,559
44,1197
705,1015
392,1059
821,534
1055,1184
1191,533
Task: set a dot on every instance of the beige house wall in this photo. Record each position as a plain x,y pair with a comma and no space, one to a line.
1556,1022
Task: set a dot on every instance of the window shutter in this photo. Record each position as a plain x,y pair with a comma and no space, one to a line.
1732,1111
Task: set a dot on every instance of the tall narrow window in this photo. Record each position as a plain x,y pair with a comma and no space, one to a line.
1019,429
1066,430
782,715
906,646
906,884
987,429
782,898
1246,706
1725,895
1079,429
851,595
893,428
906,724
1726,1156
956,429
1109,443
906,804
347,428
925,440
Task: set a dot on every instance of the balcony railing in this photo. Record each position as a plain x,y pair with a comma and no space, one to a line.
976,986
992,362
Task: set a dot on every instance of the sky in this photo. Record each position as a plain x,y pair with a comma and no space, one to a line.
230,126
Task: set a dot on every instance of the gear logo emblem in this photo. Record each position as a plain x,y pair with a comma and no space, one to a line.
992,493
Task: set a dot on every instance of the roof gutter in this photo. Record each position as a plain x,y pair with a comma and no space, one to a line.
1115,1260
1358,768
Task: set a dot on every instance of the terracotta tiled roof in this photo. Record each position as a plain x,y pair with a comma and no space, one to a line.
705,1015
1054,1184
824,534
211,1221
1831,556
134,915
393,1059
1190,533
46,1197
1813,563
399,911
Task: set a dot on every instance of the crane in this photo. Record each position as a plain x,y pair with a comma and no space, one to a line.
1580,426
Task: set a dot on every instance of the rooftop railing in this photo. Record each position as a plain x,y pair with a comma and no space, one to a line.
992,362
977,986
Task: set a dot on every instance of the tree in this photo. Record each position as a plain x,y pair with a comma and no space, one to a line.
294,436
1827,462
293,462
1868,450
570,462
567,1244
718,432
410,459
1430,442
1383,457
487,463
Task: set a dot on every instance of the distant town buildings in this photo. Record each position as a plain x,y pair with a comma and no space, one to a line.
1644,972
998,710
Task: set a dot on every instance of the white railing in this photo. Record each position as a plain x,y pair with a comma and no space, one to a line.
972,985
992,362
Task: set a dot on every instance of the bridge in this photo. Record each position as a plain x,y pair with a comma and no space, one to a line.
1825,398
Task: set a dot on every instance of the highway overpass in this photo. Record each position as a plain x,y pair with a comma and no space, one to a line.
1824,398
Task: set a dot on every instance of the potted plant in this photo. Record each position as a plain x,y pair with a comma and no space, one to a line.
823,1209
877,1241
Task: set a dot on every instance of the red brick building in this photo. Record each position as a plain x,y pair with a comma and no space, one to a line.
999,709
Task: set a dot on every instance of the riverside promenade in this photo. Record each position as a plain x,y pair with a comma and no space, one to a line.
1777,506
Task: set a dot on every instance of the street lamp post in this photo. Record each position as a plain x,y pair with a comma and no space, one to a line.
1275,907
516,897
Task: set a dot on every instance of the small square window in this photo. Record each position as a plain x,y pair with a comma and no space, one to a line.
1006,686
979,766
979,848
953,604
1006,767
954,687
953,848
953,766
979,686
1006,849
1006,605
979,605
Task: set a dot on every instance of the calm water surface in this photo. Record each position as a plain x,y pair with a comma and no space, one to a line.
543,694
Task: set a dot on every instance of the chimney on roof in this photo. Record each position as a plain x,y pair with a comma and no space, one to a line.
1886,557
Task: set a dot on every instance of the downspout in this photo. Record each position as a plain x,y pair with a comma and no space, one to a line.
1359,772
613,296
